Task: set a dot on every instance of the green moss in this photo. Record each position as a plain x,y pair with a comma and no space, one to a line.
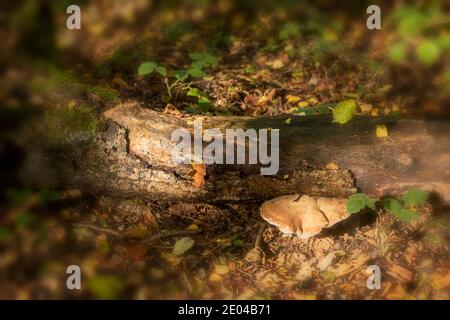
63,87
67,123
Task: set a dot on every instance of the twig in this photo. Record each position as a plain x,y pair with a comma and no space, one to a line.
170,233
258,239
96,228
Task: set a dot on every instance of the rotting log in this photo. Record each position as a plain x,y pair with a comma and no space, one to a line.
132,158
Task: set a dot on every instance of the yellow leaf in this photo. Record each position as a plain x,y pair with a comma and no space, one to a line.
332,166
330,35
277,64
303,104
313,100
221,269
365,107
192,227
292,99
214,277
440,281
382,131
288,120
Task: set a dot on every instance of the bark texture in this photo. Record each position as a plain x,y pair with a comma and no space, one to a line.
132,158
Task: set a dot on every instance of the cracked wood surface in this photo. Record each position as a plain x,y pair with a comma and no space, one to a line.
132,157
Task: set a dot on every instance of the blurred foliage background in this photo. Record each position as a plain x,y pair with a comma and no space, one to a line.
269,55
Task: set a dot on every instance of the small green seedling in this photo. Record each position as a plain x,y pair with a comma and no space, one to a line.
200,61
403,209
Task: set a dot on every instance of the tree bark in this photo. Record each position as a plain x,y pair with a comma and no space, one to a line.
132,158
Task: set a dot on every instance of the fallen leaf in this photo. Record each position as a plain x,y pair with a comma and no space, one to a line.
292,99
440,281
288,120
136,251
221,269
381,131
137,232
343,112
183,245
313,100
365,107
192,226
331,166
329,259
214,277
199,175
277,64
303,104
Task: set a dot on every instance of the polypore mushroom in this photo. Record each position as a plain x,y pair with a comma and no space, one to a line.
304,216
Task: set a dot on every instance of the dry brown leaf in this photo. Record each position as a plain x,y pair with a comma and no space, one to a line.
199,175
136,251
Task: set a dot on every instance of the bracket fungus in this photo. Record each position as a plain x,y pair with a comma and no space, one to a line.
304,216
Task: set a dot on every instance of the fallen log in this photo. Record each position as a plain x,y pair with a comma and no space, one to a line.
132,158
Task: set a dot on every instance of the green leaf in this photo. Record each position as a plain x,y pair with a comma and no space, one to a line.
344,110
194,92
355,205
415,197
161,70
181,75
290,29
204,103
204,58
146,68
182,245
393,206
407,215
428,52
210,59
196,56
397,52
197,73
396,208
411,20
359,201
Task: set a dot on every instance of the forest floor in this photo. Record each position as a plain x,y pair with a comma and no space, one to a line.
122,245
